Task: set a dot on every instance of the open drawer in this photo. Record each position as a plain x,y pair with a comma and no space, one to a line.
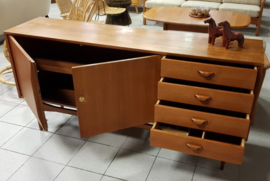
196,142
203,118
206,95
211,72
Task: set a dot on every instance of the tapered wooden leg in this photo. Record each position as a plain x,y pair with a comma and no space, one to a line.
222,164
144,21
136,8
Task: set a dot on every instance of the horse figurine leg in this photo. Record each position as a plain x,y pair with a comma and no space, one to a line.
209,39
213,40
227,43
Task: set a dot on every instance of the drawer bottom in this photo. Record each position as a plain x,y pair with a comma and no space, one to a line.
197,142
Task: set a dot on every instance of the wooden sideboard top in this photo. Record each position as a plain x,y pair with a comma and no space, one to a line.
185,44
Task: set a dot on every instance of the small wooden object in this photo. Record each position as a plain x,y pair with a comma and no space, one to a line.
229,36
213,31
199,12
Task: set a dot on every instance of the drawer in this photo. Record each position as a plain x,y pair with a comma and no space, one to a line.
196,142
206,95
209,73
208,119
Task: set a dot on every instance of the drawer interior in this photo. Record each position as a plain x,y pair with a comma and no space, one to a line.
203,109
211,62
205,85
223,138
205,135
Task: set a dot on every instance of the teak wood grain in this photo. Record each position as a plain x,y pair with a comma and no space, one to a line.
26,72
221,75
209,148
229,125
232,101
55,65
141,40
116,95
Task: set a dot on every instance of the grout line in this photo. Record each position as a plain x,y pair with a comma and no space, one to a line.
9,110
152,165
71,159
195,169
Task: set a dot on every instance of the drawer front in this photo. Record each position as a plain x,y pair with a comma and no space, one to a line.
201,120
205,148
209,73
232,101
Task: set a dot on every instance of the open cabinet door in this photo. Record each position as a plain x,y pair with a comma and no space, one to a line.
116,95
27,80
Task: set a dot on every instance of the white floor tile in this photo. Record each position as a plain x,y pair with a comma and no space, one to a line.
215,165
177,156
24,103
70,128
37,170
116,138
7,131
10,162
203,174
164,169
11,96
27,141
94,157
55,121
59,149
139,141
4,87
5,107
130,166
20,115
74,174
106,178
255,167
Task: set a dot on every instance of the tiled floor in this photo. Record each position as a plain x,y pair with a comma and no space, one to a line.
59,154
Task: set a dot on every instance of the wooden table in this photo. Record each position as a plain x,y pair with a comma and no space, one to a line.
175,18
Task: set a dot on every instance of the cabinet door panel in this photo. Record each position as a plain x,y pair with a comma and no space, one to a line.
26,73
116,95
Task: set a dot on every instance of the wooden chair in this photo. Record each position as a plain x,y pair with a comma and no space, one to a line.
4,71
103,9
83,10
64,7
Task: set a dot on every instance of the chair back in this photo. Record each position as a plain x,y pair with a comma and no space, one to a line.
64,6
83,10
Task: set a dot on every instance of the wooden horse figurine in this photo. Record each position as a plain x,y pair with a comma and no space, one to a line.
229,36
213,31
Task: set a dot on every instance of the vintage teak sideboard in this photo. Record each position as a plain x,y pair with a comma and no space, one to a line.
201,98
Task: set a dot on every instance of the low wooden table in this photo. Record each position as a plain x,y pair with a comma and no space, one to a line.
175,18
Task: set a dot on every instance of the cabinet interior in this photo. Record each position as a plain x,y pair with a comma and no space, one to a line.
54,61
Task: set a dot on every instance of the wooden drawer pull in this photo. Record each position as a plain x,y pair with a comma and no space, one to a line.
200,122
194,147
206,74
202,98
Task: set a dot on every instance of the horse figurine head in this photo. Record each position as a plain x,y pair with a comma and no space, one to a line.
209,21
226,25
213,31
229,36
